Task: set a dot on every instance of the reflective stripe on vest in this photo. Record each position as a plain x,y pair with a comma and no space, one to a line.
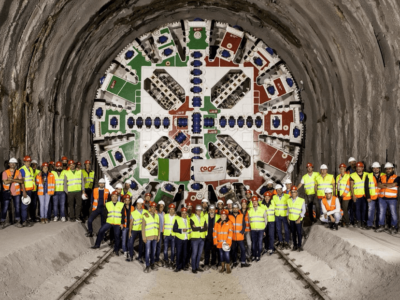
169,224
114,216
330,207
343,183
74,181
51,183
388,192
16,185
89,179
324,183
152,224
271,212
222,233
373,186
256,219
181,225
197,223
137,219
237,224
29,181
358,185
96,197
280,205
35,173
59,180
295,208
309,183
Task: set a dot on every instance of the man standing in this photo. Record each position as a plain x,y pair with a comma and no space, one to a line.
269,206
127,188
182,232
331,210
34,198
229,205
247,234
75,189
239,227
161,215
308,180
209,248
322,182
136,230
280,202
151,235
352,166
199,231
296,212
169,236
220,207
126,215
388,184
147,199
204,204
357,185
371,193
258,221
98,200
88,175
114,216
344,193
29,185
59,194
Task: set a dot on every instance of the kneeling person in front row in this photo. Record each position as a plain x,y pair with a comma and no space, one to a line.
331,210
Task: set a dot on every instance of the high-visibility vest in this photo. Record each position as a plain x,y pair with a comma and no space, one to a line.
137,219
246,221
114,213
343,186
359,184
6,187
123,193
51,184
126,218
216,217
332,206
373,186
197,223
29,180
237,224
270,211
152,224
280,205
389,192
309,183
256,218
181,225
96,197
250,204
59,180
169,225
323,183
89,179
35,173
74,181
223,233
204,214
295,208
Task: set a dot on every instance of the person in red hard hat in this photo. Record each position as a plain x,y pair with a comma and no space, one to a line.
75,189
169,236
46,182
296,210
247,234
308,181
151,236
357,187
269,238
258,221
344,193
182,232
59,193
223,235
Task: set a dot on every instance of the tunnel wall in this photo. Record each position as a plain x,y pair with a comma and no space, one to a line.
345,52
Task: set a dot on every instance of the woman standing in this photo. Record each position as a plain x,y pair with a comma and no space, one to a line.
223,233
161,214
46,184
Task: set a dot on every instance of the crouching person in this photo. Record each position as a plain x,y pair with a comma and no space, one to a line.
331,210
222,236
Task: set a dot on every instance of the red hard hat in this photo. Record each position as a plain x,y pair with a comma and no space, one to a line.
45,164
71,162
183,209
147,194
114,193
27,158
78,163
248,192
268,194
294,188
64,158
310,165
254,198
224,212
360,164
152,203
87,162
342,166
51,163
171,205
126,196
244,200
189,204
58,164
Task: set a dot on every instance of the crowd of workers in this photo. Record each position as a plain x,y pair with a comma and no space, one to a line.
230,233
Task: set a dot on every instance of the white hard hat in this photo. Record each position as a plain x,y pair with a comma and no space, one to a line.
102,180
324,167
278,186
352,159
84,197
160,202
212,206
140,200
204,200
235,205
389,165
198,207
270,182
26,200
13,161
229,201
119,186
128,182
288,181
34,161
220,201
376,165
328,190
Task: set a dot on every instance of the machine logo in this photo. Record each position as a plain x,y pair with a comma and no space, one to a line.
210,169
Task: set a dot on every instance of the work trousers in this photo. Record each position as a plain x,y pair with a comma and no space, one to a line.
74,204
59,202
235,247
125,242
223,256
210,250
373,206
44,205
93,215
169,241
150,252
158,248
310,201
181,252
337,217
102,232
383,204
269,238
257,237
197,249
278,223
361,209
296,233
346,206
17,214
33,205
134,234
247,237
86,204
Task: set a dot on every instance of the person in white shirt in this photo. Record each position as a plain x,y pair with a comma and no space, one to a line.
331,212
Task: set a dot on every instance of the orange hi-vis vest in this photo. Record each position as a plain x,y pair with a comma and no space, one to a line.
223,233
16,185
51,184
246,220
96,197
237,226
332,206
389,192
127,218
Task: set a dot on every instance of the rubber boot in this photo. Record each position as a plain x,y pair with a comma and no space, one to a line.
222,268
228,269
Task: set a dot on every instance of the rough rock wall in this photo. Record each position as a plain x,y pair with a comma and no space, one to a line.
345,52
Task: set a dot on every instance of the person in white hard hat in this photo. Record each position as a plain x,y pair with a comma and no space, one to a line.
331,210
210,250
280,202
34,205
204,204
352,166
229,204
220,207
389,184
98,199
197,237
12,186
119,188
372,193
136,230
288,185
161,214
127,188
322,182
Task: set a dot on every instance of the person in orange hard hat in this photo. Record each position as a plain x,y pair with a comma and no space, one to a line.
247,234
308,181
126,215
222,236
296,210
75,190
182,231
46,185
258,221
169,236
269,238
151,235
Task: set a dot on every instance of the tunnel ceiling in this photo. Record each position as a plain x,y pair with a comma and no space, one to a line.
346,53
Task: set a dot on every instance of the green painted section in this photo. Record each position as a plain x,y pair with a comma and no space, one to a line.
122,121
129,150
171,43
180,63
137,109
164,30
118,85
111,157
163,169
185,183
138,62
208,105
160,194
197,43
128,92
174,61
210,138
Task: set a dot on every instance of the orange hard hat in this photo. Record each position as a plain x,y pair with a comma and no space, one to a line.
248,192
78,163
45,164
189,204
294,188
183,209
64,158
171,205
224,212
114,193
310,165
27,158
87,162
342,166
51,163
268,193
58,164
126,196
147,194
254,198
152,203
244,200
71,162
360,164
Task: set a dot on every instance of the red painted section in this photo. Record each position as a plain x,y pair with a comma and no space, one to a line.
267,62
256,181
260,95
280,87
214,63
183,109
287,118
174,132
224,63
273,157
232,39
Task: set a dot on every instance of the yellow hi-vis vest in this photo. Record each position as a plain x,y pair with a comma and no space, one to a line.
309,183
89,179
74,180
29,181
59,180
169,224
343,186
152,224
270,211
280,205
359,184
137,219
181,225
256,218
123,193
373,186
295,208
35,173
324,183
197,223
216,217
114,215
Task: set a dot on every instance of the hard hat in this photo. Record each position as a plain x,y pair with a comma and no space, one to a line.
360,164
27,158
161,202
204,200
87,162
84,197
78,163
102,180
224,212
278,186
324,167
58,164
153,204
310,165
45,164
268,193
126,196
212,206
376,165
342,166
171,205
26,200
244,200
34,161
147,194
389,165
226,247
270,182
71,162
13,161
183,209
248,192
198,207
254,198
64,158
114,193
351,159
140,200
189,204
235,205
119,186
294,188
128,182
288,181
229,201
51,163
328,190
220,201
